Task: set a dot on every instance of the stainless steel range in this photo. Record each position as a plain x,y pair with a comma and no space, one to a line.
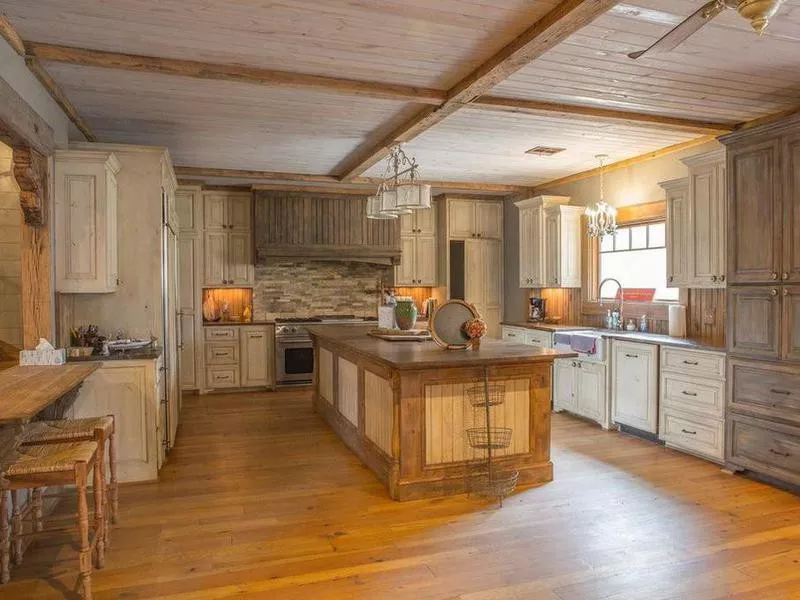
294,352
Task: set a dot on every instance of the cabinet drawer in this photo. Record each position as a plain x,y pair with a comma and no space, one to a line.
540,339
706,396
697,434
222,377
692,362
222,353
764,446
213,334
770,390
514,334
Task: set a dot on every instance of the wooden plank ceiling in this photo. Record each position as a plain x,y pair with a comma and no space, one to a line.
396,60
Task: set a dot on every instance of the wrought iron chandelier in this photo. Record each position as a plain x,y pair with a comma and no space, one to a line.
601,218
399,192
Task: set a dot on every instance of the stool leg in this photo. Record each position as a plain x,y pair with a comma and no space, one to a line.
38,509
99,518
112,465
16,528
5,539
85,558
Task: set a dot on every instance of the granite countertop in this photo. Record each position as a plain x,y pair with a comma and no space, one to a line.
634,336
427,355
143,354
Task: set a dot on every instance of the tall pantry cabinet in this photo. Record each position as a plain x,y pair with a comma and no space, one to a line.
763,320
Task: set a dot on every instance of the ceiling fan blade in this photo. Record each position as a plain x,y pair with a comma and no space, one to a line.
683,31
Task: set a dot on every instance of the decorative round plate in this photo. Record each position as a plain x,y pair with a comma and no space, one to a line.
447,324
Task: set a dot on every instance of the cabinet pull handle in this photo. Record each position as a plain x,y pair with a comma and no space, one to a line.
689,432
784,454
692,394
694,363
781,392
256,337
632,355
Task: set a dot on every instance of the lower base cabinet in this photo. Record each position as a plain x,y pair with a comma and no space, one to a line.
635,385
766,447
130,390
239,356
579,387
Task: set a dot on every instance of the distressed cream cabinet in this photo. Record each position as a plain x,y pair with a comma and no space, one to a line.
634,384
469,218
189,207
579,387
418,263
483,276
86,221
257,351
549,243
132,391
228,239
239,356
677,192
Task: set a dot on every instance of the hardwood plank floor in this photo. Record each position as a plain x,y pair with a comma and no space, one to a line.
260,500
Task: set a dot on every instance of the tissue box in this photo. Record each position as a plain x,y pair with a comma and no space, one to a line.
43,357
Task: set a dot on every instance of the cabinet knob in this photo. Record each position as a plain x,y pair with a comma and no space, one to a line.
774,292
785,276
713,278
785,292
722,277
774,276
671,278
574,364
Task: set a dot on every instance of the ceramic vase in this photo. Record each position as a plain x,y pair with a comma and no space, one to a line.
405,313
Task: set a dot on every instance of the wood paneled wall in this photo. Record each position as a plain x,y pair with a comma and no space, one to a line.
326,375
378,411
348,390
420,294
236,298
705,314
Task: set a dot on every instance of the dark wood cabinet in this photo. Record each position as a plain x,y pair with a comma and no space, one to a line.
754,322
791,210
754,222
763,319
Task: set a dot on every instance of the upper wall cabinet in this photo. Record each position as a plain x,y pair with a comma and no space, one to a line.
86,221
549,243
228,246
418,262
475,219
696,208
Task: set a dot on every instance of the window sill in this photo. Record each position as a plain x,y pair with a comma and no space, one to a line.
653,310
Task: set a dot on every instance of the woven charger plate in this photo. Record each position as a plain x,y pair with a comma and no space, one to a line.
447,324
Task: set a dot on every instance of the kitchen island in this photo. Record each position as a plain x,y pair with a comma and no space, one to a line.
403,407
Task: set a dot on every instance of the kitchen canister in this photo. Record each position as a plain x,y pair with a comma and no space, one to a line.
677,320
405,313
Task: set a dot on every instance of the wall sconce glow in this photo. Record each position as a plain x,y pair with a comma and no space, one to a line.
601,218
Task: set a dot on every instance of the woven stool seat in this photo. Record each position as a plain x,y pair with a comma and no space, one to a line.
51,458
74,429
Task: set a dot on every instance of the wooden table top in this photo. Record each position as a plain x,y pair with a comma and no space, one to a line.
427,355
27,391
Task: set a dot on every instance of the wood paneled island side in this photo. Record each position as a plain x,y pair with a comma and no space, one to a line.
402,406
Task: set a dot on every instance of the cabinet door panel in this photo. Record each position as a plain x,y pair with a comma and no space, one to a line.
461,216
490,219
186,201
791,323
187,353
425,260
552,249
791,218
405,273
536,248
215,256
473,272
635,387
563,378
239,218
591,384
256,366
754,215
240,259
493,273
425,221
704,269
187,282
215,211
525,241
407,224
754,322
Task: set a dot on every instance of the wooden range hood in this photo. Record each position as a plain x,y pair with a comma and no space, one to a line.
301,226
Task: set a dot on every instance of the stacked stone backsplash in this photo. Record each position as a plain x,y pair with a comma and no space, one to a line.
284,289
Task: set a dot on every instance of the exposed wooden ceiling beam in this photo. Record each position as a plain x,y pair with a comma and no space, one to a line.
11,36
622,164
537,107
240,73
561,22
289,178
59,96
337,189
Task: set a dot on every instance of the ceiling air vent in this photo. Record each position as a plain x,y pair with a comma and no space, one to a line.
544,151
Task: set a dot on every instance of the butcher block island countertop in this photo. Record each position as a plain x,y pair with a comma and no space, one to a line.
403,407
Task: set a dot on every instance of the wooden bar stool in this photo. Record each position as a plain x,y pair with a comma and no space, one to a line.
98,429
54,465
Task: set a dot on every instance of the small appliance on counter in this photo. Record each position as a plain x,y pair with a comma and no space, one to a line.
537,312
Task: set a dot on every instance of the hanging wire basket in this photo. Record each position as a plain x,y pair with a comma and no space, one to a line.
489,438
479,395
494,484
